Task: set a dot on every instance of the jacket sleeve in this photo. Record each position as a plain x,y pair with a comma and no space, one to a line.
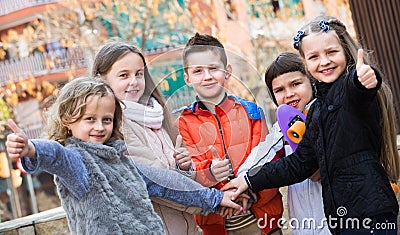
176,206
264,152
359,96
288,170
66,163
178,188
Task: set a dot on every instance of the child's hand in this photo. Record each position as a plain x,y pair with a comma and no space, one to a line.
227,204
225,211
366,75
239,184
242,201
18,144
181,155
219,168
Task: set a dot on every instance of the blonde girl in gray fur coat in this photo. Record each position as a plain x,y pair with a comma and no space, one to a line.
101,190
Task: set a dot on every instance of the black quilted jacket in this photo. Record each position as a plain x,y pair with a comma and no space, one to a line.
343,140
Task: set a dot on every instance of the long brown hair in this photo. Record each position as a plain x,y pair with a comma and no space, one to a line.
111,52
389,155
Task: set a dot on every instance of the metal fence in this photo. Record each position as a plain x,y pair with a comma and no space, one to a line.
8,6
41,63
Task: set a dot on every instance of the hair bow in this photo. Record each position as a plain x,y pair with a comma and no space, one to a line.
324,25
297,38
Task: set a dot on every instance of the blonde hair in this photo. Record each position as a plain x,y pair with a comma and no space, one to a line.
114,50
70,106
389,155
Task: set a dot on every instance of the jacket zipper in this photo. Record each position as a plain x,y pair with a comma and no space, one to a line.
231,173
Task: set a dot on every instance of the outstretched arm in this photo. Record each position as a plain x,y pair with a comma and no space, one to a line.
285,171
51,157
264,152
176,187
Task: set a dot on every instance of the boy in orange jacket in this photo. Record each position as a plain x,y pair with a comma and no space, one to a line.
219,131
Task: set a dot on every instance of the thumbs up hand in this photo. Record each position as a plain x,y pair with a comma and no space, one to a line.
17,143
181,155
366,75
219,168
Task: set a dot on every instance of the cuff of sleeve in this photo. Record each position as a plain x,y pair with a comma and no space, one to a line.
209,168
246,178
188,173
30,165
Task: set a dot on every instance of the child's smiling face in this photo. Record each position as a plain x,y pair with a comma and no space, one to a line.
207,75
293,88
96,125
126,77
324,56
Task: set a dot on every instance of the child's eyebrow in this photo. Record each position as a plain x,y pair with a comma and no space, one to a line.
296,79
277,87
204,65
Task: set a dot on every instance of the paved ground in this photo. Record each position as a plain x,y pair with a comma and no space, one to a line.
283,190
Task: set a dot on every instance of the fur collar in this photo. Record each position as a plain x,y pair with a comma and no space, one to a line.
109,150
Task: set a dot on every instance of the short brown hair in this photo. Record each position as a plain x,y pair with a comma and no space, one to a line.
285,63
203,42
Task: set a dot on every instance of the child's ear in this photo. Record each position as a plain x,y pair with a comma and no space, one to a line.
187,80
65,122
68,129
228,71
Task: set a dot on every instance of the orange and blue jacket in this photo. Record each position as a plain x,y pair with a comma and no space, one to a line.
237,126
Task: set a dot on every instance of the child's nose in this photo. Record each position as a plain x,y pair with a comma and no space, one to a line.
207,73
99,126
289,93
133,82
325,60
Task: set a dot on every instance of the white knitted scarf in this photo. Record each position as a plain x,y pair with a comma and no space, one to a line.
150,116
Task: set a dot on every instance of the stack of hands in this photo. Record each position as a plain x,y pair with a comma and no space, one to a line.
221,169
243,200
